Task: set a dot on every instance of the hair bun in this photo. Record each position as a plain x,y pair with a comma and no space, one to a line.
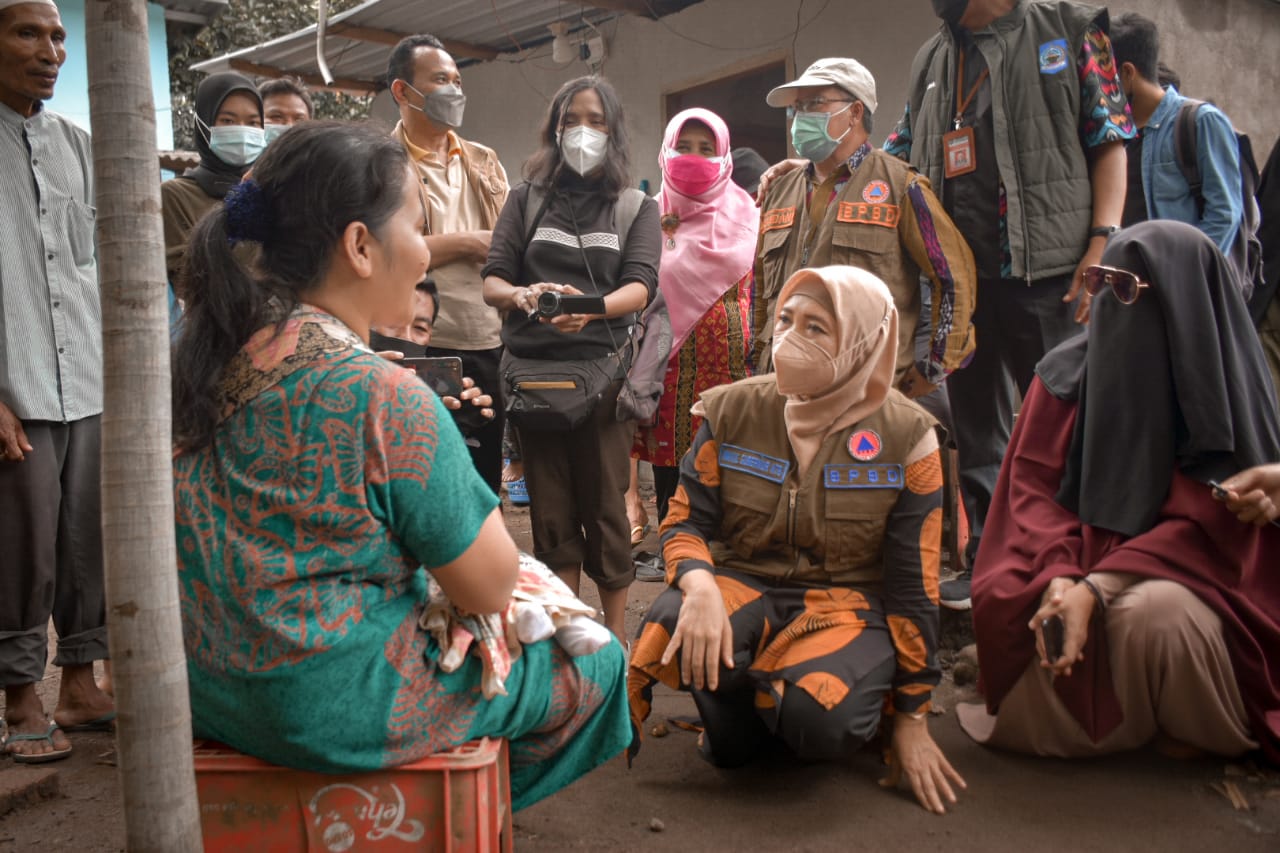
247,215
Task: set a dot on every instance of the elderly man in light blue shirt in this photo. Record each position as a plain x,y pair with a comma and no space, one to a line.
50,398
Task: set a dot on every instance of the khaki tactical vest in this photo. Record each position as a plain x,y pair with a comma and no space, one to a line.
827,528
860,229
1035,95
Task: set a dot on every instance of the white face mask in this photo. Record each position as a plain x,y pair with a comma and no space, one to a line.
583,148
272,132
236,144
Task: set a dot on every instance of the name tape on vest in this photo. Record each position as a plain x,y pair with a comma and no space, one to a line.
754,463
777,219
862,476
884,215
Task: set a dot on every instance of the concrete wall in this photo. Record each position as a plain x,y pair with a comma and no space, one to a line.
1226,50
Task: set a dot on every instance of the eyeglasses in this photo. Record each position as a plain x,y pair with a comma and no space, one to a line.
814,105
1124,284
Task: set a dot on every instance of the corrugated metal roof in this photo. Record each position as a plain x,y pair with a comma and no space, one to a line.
191,11
357,41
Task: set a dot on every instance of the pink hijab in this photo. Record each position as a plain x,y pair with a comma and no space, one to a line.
714,245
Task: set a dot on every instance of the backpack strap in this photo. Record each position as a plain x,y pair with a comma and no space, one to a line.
625,211
535,203
1184,146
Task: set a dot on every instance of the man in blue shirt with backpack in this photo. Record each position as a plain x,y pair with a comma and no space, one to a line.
1158,182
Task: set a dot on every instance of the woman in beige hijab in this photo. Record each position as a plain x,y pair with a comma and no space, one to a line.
802,549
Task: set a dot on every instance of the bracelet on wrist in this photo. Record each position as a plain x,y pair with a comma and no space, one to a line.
1097,593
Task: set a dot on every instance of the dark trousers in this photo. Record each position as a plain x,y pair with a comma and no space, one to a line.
665,480
736,723
51,535
1016,324
484,436
577,482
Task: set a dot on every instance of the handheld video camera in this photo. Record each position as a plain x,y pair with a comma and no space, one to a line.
553,304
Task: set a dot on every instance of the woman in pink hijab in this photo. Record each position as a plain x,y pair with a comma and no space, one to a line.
709,229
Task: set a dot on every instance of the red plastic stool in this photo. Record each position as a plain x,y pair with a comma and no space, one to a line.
452,801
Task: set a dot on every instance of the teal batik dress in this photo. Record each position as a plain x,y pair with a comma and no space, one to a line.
333,479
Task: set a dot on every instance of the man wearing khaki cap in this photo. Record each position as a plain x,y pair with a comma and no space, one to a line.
50,397
855,205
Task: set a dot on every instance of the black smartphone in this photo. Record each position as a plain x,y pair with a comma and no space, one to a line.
1054,632
442,375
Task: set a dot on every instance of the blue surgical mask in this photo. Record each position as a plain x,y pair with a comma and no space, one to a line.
272,132
235,144
809,135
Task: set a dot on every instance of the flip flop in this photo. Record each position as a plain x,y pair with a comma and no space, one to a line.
42,758
638,533
518,492
105,723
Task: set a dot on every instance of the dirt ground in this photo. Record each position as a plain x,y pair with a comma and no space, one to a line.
672,800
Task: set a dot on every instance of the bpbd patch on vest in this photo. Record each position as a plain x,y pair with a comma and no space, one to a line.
884,215
778,218
753,462
865,445
862,476
1053,56
876,192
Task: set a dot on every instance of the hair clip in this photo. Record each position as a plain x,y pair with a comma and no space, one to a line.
246,209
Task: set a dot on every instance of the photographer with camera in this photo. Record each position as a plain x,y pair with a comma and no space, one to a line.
575,230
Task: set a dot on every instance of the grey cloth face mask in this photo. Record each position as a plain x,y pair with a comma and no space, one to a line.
443,105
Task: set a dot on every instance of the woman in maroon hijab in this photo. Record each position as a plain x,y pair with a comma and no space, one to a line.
1104,518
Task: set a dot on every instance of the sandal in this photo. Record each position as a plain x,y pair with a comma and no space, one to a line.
41,758
518,492
638,533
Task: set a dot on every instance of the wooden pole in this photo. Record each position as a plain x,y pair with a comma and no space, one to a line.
143,622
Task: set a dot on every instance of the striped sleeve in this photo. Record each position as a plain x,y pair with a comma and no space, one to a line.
936,245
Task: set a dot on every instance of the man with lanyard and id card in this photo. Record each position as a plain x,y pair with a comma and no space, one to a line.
1016,114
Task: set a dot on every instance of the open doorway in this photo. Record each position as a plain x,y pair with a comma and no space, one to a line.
737,95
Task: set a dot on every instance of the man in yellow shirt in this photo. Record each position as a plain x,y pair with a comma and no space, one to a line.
466,188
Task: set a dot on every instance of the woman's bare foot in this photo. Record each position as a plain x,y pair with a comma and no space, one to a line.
81,702
513,470
24,715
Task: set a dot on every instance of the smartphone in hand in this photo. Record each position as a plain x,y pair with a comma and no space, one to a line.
1054,632
442,375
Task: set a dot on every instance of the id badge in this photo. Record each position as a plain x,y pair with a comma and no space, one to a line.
957,146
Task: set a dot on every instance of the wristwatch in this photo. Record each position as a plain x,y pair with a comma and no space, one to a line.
1103,231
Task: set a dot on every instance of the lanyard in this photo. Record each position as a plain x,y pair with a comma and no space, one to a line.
962,105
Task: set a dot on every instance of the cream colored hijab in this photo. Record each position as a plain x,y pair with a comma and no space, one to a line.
866,333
